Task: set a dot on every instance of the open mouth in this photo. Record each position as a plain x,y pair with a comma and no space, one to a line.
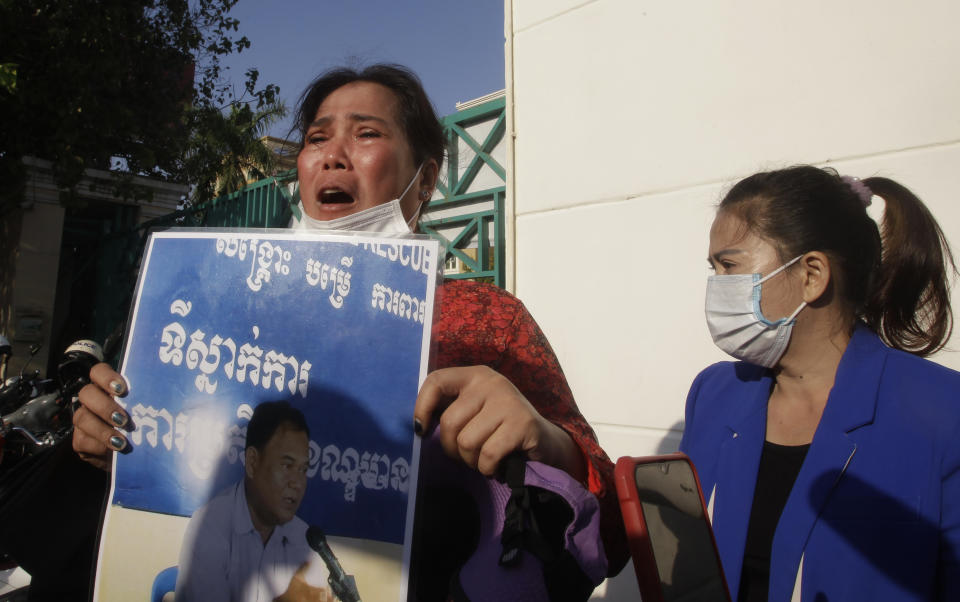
335,196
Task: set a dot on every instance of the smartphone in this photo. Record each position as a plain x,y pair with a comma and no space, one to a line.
671,541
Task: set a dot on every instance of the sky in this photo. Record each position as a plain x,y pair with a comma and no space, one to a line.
455,46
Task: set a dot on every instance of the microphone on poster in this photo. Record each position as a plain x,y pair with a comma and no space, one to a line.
342,584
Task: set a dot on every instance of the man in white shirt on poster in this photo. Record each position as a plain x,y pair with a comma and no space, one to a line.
246,544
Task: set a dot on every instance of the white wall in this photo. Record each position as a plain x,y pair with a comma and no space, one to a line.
630,119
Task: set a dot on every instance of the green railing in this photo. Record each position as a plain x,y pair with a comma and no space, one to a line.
455,126
481,226
263,204
485,225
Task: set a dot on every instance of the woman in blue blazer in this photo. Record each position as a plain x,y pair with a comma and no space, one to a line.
830,455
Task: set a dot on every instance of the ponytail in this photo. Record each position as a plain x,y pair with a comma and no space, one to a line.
908,304
897,280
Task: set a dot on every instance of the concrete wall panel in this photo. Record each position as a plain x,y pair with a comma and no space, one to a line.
620,97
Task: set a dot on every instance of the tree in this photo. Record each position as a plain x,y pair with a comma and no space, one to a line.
106,83
227,149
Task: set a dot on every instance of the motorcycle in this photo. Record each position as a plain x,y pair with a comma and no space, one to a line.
50,500
36,413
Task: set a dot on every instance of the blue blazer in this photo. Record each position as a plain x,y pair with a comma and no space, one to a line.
875,511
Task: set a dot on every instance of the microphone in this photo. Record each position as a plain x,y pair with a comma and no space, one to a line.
342,584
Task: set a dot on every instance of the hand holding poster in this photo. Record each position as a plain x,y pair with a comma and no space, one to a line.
333,327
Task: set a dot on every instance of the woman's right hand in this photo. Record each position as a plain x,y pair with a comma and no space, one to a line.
97,423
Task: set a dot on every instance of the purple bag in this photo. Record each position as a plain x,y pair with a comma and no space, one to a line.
531,534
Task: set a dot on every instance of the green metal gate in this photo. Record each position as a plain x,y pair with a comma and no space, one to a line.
470,212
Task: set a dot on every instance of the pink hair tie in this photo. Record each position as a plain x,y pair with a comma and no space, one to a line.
862,190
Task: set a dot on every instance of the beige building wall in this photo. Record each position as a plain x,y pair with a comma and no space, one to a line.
30,254
631,117
31,282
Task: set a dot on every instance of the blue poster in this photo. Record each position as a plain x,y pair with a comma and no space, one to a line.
336,325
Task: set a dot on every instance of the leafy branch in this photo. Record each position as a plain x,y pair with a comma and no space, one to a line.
134,83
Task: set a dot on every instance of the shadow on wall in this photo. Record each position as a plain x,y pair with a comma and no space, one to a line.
671,441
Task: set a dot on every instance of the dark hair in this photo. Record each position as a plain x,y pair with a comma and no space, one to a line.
415,112
896,282
268,417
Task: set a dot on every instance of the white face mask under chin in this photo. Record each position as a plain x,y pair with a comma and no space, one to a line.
386,218
737,324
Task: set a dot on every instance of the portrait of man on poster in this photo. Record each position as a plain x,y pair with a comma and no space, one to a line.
247,543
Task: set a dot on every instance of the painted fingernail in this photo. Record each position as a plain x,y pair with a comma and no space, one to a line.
118,418
117,442
418,427
118,386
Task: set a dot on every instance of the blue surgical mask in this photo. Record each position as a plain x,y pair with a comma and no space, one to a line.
737,324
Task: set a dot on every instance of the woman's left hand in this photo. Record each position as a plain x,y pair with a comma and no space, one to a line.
483,418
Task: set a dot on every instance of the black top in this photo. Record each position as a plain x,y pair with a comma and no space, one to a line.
779,466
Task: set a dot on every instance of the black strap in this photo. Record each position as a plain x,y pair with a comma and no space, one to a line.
536,520
517,514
